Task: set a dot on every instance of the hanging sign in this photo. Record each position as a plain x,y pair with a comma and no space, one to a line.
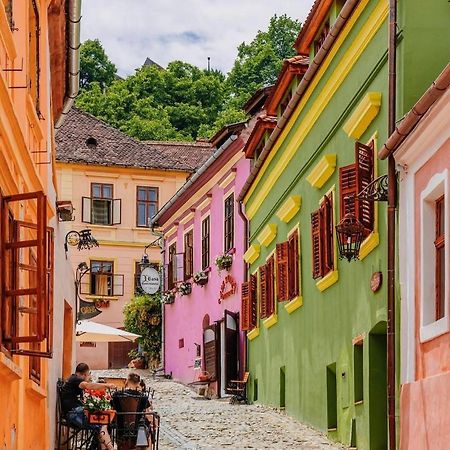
227,288
87,310
150,280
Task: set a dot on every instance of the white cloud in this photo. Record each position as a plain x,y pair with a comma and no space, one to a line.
189,30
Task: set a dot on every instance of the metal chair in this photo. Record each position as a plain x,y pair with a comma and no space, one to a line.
239,390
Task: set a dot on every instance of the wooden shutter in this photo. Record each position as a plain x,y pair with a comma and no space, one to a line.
282,271
86,205
293,266
253,301
263,292
210,350
327,230
316,245
245,305
270,286
364,176
117,211
348,190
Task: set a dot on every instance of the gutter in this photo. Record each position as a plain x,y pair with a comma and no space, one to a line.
73,59
192,180
432,95
344,15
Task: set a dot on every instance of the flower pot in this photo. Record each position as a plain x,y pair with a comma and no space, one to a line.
202,281
100,417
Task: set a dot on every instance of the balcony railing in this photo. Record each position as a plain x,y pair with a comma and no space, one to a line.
101,211
102,284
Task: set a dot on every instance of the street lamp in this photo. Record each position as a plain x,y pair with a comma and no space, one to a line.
350,234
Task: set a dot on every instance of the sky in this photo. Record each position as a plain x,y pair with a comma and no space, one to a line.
188,30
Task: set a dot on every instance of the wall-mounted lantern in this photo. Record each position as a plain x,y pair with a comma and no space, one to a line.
64,209
350,234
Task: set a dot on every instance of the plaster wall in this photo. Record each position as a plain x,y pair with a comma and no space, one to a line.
184,318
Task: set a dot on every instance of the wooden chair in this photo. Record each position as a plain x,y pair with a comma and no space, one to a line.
239,390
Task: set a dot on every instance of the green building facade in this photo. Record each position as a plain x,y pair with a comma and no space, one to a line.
319,349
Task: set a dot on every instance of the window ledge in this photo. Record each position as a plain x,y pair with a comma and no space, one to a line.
369,244
101,226
434,329
253,334
36,390
270,321
328,280
100,297
8,369
294,304
359,402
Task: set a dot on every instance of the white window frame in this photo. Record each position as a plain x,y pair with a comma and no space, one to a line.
430,328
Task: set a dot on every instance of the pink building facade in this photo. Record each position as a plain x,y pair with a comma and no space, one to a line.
424,206
202,328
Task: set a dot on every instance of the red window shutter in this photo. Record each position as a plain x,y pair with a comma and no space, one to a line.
316,245
263,292
364,156
348,190
253,301
245,306
282,271
293,266
327,227
270,272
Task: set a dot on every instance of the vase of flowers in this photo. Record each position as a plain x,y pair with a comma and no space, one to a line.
168,297
201,278
185,288
97,407
224,261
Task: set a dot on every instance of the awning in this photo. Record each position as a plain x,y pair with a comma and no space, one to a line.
87,331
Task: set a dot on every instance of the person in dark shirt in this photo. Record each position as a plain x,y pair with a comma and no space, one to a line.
72,404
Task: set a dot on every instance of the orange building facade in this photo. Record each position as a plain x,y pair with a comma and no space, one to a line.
38,41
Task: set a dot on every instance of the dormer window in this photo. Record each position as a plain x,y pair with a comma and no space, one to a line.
91,142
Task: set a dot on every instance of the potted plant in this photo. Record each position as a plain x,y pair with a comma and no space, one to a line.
97,407
185,288
168,297
201,278
224,261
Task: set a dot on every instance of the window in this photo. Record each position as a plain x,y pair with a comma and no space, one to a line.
26,276
188,255
288,283
358,371
439,244
147,205
322,238
101,208
171,267
249,304
229,223
8,4
33,52
205,243
352,180
322,36
102,278
266,277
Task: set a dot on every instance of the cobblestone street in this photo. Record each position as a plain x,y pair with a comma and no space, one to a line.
191,422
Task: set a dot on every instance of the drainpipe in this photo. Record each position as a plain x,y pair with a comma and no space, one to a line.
73,59
245,278
392,194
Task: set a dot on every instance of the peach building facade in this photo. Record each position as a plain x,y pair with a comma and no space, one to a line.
424,161
116,184
36,283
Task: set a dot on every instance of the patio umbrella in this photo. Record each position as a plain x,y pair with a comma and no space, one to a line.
88,331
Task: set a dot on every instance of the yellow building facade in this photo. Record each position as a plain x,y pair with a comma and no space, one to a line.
38,41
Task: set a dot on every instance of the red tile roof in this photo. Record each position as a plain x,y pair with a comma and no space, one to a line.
263,123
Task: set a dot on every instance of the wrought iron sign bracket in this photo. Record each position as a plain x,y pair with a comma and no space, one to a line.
376,191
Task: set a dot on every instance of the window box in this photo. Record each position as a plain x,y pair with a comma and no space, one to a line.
185,288
201,278
224,261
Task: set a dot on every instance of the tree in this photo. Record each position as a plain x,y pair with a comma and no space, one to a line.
143,316
95,65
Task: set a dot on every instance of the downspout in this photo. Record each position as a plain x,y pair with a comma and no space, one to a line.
73,59
392,194
245,277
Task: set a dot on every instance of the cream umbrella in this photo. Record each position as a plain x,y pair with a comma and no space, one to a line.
87,331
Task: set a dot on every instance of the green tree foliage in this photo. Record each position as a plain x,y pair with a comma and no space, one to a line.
95,65
183,102
143,316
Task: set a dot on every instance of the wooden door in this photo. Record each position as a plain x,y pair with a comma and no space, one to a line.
118,354
211,350
231,321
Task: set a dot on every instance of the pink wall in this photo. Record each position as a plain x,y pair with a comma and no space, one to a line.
184,318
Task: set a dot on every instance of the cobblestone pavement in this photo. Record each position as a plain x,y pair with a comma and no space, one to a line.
192,422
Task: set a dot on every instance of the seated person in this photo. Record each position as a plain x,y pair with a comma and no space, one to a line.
130,400
72,405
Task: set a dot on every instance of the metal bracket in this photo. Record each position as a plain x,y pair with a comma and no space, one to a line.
377,191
